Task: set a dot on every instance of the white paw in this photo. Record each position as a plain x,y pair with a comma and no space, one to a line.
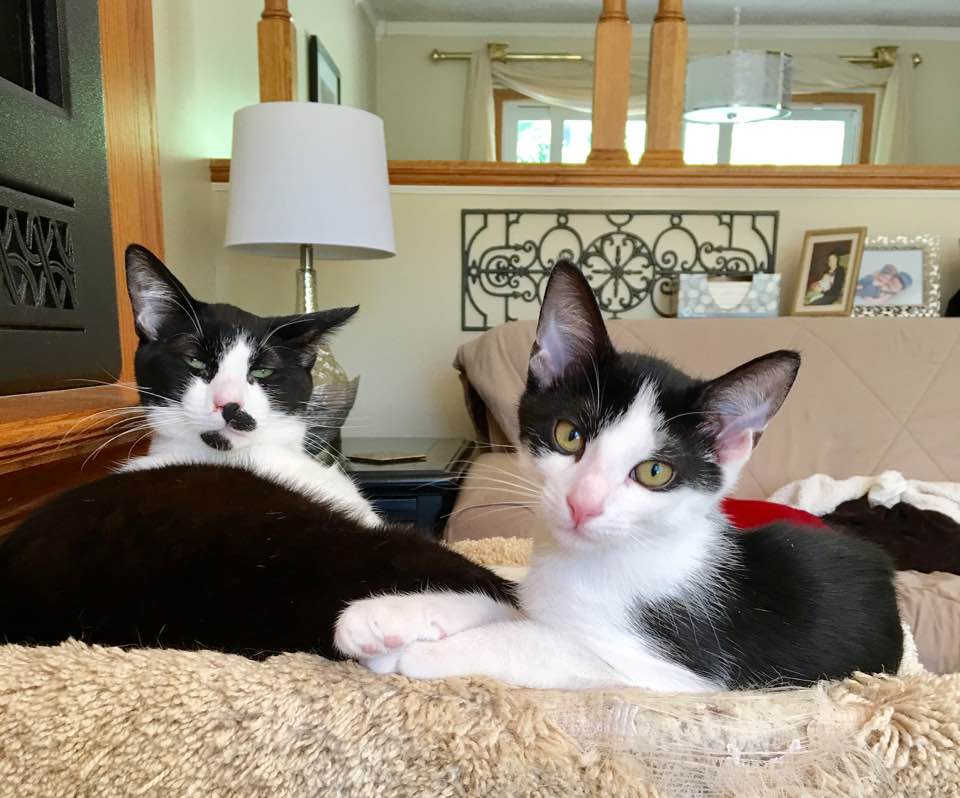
433,661
384,625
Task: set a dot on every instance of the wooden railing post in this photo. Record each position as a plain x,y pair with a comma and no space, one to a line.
277,50
665,90
611,85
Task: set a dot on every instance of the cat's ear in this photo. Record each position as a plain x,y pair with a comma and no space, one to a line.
305,331
738,406
156,295
570,331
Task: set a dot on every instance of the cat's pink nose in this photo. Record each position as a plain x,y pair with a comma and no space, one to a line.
580,514
586,500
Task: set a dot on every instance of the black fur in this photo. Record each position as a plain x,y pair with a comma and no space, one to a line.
793,605
207,557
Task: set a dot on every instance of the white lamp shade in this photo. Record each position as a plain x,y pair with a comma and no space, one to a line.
739,86
309,173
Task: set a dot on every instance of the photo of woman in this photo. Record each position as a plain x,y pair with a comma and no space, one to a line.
829,265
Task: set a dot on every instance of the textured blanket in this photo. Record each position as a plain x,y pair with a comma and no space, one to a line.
90,721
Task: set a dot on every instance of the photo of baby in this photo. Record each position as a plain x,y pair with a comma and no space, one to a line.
890,277
829,265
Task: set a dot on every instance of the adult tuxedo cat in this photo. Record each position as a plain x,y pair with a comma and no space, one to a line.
636,576
227,535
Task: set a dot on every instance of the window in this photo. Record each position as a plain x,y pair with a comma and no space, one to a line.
829,129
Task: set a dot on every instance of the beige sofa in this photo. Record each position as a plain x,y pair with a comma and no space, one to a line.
872,395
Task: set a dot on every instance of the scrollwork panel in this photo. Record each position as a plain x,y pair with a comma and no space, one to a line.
631,258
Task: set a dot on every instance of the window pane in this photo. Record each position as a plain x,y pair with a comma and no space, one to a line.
788,141
636,139
576,141
533,141
701,143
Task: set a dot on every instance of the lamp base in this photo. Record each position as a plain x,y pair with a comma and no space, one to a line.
333,391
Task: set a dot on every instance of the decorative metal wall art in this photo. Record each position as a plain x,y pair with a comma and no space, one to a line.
631,258
37,265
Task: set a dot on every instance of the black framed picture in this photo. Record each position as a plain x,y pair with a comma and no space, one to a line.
323,76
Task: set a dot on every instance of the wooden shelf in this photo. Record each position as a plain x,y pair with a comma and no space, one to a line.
483,173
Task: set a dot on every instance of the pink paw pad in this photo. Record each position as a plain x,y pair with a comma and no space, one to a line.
393,641
367,648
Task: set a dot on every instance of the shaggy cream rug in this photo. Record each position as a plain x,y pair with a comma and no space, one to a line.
88,721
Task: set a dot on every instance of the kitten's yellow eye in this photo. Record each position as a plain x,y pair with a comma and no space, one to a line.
195,363
653,474
568,437
261,374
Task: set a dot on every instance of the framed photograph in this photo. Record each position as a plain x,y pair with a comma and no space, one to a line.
323,77
899,277
829,266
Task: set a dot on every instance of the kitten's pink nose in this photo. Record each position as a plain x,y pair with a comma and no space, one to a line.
221,400
587,498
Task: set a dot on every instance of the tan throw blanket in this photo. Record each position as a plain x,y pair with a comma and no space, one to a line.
90,721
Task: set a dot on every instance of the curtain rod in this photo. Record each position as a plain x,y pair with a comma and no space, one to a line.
498,51
883,57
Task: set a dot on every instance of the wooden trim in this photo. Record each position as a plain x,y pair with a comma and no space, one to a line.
500,96
611,85
50,426
487,173
277,52
133,152
666,86
40,428
867,102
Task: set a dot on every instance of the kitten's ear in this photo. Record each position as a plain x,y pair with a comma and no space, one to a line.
739,405
156,295
570,330
305,330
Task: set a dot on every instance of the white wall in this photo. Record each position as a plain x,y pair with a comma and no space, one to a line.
405,336
422,102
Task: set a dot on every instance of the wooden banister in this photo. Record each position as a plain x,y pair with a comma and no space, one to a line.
611,85
277,51
665,90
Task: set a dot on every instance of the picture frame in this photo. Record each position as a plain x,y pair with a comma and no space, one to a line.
899,276
323,75
829,266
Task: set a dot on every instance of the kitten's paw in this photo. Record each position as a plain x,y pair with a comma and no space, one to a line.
385,663
384,625
434,661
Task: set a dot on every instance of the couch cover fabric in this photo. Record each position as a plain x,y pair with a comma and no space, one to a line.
89,721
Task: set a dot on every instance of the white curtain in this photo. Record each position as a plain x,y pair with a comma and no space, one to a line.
895,87
479,134
569,84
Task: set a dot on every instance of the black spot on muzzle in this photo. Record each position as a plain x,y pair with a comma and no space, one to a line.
238,419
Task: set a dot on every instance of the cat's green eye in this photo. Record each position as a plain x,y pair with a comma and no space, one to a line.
568,437
653,474
195,363
261,374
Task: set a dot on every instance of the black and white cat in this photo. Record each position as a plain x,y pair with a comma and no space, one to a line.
637,578
223,386
226,535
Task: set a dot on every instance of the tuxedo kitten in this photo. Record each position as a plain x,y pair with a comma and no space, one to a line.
636,577
220,385
226,535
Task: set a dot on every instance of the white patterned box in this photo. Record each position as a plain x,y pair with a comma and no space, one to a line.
702,297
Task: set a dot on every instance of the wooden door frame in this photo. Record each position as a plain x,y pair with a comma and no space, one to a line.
51,426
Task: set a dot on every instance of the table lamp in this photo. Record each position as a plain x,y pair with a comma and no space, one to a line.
309,180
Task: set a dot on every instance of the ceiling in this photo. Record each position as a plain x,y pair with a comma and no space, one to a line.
921,13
